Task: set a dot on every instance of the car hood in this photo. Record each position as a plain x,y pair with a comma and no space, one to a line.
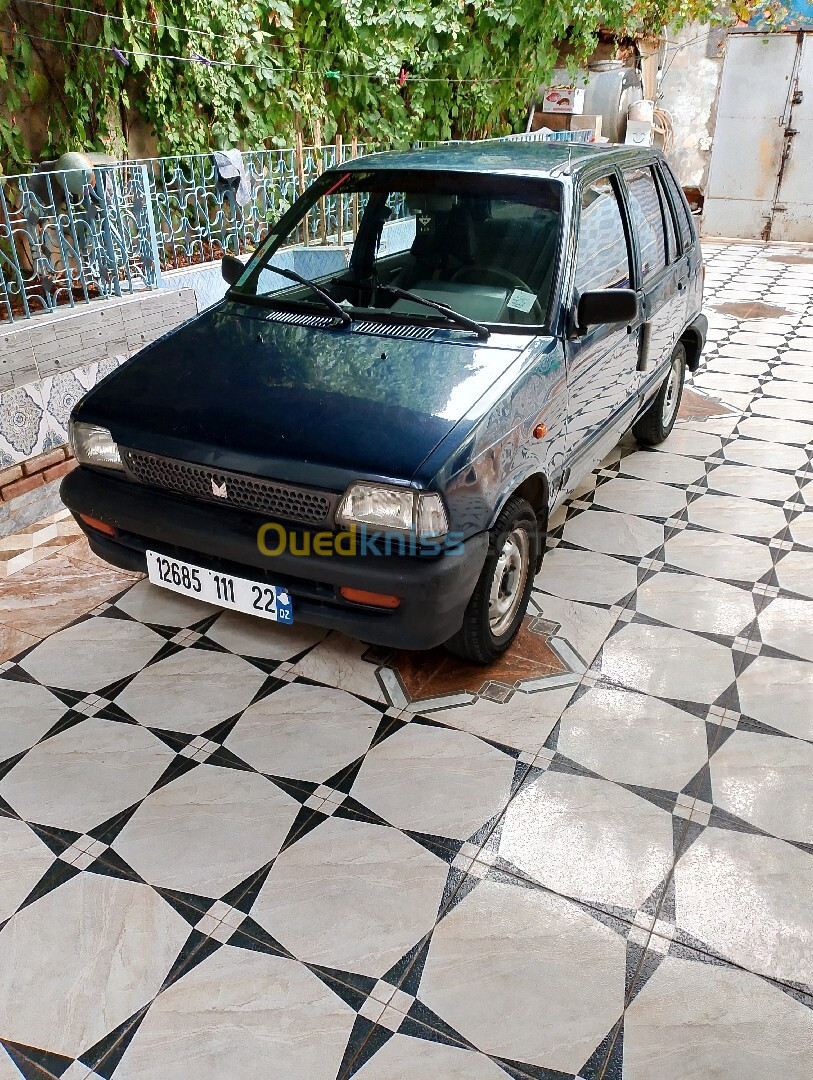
305,404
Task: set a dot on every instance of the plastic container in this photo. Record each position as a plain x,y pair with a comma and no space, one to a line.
643,111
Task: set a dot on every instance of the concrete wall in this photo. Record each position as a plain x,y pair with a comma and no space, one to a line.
689,89
311,262
209,287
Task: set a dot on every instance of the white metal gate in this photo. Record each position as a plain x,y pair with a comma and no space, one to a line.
760,182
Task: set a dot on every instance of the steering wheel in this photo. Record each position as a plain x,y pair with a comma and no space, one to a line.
477,273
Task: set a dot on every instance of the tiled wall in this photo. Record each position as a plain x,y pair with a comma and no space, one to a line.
46,365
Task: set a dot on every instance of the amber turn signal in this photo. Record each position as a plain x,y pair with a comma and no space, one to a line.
99,526
373,599
540,431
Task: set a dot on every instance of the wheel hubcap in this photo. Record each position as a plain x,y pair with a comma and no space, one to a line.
672,395
508,582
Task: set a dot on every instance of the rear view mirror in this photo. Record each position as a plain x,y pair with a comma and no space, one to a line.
231,269
606,306
429,202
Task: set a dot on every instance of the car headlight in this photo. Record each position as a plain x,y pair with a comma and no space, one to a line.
394,509
94,445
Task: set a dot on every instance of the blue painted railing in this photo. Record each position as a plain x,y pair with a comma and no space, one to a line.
199,217
69,237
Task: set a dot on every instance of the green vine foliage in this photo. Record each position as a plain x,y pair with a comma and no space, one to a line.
318,67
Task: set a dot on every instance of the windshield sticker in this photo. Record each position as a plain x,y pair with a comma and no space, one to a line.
521,300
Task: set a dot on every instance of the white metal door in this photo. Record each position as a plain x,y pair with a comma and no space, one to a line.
793,206
762,155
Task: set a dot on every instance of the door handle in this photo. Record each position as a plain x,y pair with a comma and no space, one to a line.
682,285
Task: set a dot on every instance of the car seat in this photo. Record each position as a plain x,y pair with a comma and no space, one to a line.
444,242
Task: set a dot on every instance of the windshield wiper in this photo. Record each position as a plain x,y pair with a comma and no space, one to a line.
292,275
454,316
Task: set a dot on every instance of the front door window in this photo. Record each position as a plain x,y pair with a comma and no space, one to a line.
602,261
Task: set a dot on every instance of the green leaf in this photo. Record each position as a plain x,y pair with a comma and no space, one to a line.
37,87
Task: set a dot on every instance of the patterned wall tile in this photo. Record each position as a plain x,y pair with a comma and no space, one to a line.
23,426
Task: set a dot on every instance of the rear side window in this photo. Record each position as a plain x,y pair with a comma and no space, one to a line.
647,221
602,261
684,220
672,245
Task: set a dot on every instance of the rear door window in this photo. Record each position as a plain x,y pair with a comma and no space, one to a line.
647,221
602,260
673,246
685,227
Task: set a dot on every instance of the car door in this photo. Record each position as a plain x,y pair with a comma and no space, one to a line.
662,299
601,363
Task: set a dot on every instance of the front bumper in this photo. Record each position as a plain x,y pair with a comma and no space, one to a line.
434,591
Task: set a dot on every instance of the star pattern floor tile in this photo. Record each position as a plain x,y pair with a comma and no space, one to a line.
231,849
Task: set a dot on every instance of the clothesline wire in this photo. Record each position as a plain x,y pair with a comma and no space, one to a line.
106,16
205,61
222,37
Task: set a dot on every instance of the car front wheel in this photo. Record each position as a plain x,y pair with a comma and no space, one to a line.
500,598
657,422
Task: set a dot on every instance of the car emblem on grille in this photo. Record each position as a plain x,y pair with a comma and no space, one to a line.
220,490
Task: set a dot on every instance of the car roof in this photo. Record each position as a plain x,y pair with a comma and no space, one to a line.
507,157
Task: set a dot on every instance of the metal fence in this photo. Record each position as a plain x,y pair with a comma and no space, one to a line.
200,215
70,237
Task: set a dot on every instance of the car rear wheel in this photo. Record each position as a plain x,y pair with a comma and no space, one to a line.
500,598
659,419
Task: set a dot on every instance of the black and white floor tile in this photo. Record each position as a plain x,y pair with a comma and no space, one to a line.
228,852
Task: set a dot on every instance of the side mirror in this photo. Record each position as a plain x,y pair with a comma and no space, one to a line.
605,306
231,269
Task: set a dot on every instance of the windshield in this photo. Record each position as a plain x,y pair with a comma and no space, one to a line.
484,246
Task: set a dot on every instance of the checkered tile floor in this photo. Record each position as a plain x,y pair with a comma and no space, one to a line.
231,850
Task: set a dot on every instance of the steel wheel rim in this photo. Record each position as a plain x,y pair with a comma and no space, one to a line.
672,395
508,581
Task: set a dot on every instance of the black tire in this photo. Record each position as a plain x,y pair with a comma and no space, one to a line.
476,640
657,422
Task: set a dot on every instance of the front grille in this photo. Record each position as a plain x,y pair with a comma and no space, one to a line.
268,497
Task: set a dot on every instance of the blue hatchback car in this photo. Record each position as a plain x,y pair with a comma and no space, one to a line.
426,354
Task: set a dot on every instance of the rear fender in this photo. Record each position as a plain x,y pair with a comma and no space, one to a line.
693,339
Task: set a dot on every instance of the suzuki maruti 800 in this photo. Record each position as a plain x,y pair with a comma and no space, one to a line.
422,359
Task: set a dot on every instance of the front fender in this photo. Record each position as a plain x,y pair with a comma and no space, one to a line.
501,453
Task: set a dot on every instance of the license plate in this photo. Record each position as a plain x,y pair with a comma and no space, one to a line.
225,590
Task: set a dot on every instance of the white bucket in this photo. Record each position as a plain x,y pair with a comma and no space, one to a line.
642,110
